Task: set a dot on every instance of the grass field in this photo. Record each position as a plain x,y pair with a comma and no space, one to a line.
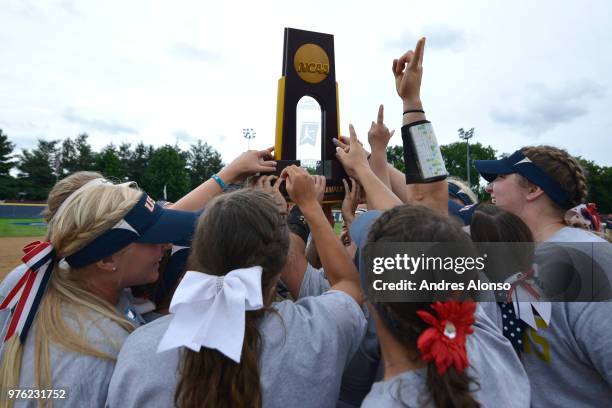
22,227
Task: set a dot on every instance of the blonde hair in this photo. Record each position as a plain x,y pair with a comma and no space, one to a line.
462,185
90,214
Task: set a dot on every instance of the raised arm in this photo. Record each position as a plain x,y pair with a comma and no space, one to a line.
397,179
312,256
408,73
378,137
248,163
339,267
355,162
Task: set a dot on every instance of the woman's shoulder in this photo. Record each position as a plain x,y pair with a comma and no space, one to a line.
571,234
331,301
405,389
99,330
146,338
328,314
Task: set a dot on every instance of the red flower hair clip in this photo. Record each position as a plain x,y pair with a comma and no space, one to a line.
444,342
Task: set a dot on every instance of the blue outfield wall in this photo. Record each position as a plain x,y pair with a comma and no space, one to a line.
35,210
21,210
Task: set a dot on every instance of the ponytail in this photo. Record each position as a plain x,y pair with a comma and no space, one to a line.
452,389
209,379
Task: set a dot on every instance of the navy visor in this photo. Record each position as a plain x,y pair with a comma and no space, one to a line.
517,162
146,222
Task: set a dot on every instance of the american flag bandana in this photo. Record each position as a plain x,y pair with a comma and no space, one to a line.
24,298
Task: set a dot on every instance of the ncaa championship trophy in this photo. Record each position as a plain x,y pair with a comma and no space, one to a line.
309,70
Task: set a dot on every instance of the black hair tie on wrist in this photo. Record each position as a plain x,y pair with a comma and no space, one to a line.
297,224
414,111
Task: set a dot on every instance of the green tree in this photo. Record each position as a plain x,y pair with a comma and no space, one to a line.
168,168
599,180
455,159
85,154
139,160
395,156
37,170
77,155
109,164
202,162
125,156
6,155
69,157
8,188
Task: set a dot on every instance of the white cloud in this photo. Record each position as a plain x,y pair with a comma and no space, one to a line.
439,37
88,124
183,136
544,108
194,53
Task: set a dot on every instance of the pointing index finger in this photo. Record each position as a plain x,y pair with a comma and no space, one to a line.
417,60
381,114
353,134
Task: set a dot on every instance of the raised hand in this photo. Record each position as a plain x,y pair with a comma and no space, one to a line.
379,135
300,186
320,183
356,158
252,162
344,143
271,185
408,72
351,201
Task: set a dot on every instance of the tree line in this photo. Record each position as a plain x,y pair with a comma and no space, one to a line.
154,169
179,171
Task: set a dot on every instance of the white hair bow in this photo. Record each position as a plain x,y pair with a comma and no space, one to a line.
210,311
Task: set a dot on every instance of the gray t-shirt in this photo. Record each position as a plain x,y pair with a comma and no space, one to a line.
363,368
84,378
501,379
305,347
314,282
569,363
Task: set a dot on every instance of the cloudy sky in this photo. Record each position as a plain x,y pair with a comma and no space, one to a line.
522,72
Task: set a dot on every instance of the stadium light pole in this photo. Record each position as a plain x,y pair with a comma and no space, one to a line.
249,134
467,136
